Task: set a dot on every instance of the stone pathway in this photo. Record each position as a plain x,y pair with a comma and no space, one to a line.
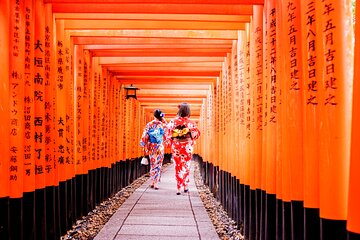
160,214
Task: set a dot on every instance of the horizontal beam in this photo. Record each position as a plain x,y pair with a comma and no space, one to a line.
114,68
181,8
135,41
167,80
168,73
169,96
243,2
152,24
162,99
119,60
172,104
190,34
172,92
195,109
172,86
161,47
163,17
165,64
161,53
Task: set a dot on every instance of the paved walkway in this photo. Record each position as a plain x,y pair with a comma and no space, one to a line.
160,214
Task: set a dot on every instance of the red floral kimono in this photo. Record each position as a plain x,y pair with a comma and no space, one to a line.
182,133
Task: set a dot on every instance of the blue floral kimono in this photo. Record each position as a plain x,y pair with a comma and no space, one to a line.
154,150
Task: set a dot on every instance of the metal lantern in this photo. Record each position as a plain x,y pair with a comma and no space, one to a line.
131,91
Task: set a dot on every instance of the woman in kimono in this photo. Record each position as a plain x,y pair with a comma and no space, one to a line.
182,133
152,141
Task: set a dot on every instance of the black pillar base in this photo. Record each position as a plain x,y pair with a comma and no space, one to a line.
270,219
40,214
332,229
258,212
16,225
51,227
297,220
286,225
29,215
353,236
279,219
252,217
4,218
311,224
263,215
246,211
63,211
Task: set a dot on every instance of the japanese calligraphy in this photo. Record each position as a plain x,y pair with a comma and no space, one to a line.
328,30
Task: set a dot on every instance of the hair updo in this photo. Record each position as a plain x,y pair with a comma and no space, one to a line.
184,110
159,114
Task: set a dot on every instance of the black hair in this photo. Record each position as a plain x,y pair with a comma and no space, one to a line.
158,114
184,110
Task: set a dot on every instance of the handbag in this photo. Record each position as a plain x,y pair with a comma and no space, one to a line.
144,161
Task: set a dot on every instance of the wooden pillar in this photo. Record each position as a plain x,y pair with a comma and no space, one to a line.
16,78
87,122
29,209
92,127
60,121
311,121
29,109
266,64
79,107
39,118
4,96
5,119
235,132
69,93
353,217
270,123
251,128
39,94
49,73
51,180
122,123
283,230
60,100
257,68
334,52
79,163
242,99
291,100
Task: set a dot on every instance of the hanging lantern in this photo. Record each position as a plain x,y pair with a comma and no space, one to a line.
131,91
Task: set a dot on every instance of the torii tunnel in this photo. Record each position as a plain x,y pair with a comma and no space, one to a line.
271,84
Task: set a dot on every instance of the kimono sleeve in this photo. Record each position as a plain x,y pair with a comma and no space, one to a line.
145,137
195,132
169,130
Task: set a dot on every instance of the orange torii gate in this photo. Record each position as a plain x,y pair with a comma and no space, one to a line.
271,84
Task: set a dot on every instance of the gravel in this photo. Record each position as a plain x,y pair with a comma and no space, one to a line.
225,227
89,226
